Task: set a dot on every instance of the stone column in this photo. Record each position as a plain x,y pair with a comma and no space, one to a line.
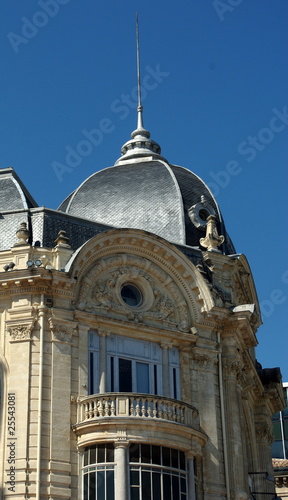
16,432
205,381
165,369
60,460
191,478
102,361
121,473
235,439
264,438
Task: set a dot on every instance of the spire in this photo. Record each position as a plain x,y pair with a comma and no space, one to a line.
140,144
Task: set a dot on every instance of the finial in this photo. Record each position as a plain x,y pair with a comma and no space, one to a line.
140,145
212,239
22,234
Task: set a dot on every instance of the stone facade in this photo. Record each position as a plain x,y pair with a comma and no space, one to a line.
219,413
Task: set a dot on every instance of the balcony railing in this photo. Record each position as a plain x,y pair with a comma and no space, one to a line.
143,406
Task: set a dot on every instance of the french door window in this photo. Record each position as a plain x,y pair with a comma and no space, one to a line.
157,473
98,473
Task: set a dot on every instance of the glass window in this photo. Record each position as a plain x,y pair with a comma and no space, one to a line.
98,472
156,473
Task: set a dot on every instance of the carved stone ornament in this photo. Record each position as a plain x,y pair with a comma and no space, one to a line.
20,332
204,361
61,332
232,369
212,239
263,433
162,302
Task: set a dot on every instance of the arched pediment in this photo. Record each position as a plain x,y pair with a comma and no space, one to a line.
172,292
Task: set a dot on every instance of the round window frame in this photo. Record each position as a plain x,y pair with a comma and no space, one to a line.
144,288
196,211
136,290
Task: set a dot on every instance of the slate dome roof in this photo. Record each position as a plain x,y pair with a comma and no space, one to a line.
143,191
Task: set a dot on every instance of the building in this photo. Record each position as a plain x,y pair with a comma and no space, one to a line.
128,326
280,448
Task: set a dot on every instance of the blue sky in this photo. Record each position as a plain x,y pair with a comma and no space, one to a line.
215,98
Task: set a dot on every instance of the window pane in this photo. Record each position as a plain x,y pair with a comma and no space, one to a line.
145,454
85,481
175,488
174,455
135,493
92,481
109,453
146,485
110,485
142,375
101,454
182,460
134,477
134,452
100,485
156,456
167,487
86,456
166,456
112,373
125,375
91,374
156,483
92,455
183,485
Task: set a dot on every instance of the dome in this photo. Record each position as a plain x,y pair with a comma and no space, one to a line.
143,191
148,193
13,194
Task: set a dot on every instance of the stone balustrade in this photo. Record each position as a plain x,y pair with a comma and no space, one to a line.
144,406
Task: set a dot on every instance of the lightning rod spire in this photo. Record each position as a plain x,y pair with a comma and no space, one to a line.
140,144
140,107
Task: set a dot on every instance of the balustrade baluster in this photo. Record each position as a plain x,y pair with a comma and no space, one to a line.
137,407
132,407
112,408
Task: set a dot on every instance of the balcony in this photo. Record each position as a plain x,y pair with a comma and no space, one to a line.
129,412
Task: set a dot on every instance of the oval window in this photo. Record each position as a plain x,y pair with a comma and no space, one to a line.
131,295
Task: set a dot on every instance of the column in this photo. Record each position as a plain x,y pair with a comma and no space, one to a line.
102,361
191,478
60,464
121,473
165,369
235,439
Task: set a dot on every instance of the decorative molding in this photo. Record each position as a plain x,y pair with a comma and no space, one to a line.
62,331
163,302
232,369
204,360
21,330
264,433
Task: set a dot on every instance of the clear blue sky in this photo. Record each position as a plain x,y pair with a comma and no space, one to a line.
215,99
